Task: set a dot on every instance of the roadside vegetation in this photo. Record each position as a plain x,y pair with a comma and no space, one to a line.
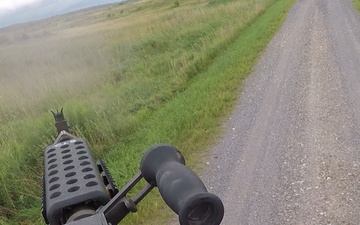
129,76
357,4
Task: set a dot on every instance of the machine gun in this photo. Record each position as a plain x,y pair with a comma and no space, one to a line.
79,191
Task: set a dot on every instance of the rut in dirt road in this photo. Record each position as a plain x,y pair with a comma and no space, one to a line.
291,150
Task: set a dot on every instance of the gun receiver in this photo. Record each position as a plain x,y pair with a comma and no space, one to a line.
79,191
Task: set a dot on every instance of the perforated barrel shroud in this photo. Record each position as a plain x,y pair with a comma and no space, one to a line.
71,177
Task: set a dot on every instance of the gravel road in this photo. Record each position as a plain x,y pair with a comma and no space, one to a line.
290,153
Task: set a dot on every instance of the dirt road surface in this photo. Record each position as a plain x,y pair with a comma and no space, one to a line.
290,153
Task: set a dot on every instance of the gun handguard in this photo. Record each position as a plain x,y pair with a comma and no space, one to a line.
73,187
182,190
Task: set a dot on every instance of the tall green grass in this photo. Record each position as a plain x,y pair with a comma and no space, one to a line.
357,4
172,74
215,2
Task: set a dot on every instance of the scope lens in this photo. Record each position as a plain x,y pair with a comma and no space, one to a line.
202,209
202,214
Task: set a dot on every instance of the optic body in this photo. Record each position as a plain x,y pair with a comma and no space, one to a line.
182,190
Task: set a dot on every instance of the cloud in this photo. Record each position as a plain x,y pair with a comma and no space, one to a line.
10,5
21,11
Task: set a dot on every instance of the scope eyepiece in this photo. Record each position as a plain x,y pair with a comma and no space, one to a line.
203,208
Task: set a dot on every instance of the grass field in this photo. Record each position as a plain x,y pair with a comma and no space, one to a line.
128,76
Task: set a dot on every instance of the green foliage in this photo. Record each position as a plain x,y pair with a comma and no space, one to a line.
216,2
357,4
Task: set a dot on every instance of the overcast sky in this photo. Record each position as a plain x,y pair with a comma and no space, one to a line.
20,11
